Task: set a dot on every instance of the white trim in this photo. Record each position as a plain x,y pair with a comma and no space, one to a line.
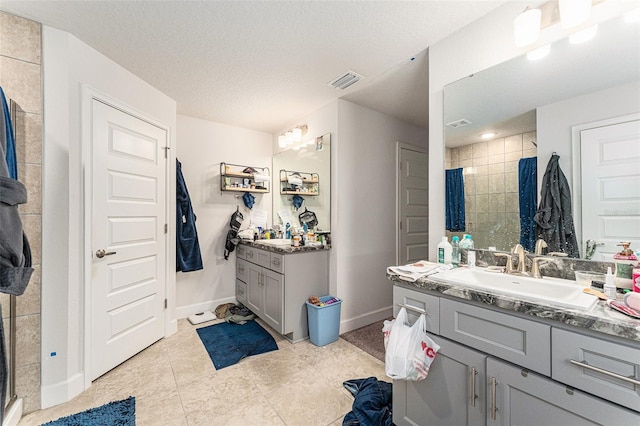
89,94
366,319
13,415
399,147
576,197
62,392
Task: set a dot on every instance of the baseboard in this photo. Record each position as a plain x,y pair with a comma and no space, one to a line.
185,311
366,319
13,414
62,392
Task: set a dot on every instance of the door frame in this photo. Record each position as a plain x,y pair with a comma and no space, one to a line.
576,169
399,147
89,94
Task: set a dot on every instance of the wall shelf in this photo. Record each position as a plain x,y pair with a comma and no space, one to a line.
309,183
242,178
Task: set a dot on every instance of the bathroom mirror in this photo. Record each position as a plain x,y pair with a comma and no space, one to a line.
514,100
311,159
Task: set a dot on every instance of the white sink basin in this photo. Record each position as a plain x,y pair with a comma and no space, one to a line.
275,242
550,291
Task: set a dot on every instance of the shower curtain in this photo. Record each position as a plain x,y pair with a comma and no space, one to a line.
455,200
527,194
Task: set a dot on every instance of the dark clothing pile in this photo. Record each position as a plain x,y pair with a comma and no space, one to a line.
372,403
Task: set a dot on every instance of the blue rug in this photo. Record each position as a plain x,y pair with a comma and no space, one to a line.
116,413
228,343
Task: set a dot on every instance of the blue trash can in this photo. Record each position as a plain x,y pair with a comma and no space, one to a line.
324,321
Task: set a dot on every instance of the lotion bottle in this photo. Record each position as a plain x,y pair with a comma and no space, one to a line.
609,288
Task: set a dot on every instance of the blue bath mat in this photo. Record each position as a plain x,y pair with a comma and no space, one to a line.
228,343
116,413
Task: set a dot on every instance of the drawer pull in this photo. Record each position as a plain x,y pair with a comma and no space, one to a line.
276,261
584,364
474,395
494,407
414,309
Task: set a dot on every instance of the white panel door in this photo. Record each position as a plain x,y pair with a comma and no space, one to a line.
610,165
128,236
413,209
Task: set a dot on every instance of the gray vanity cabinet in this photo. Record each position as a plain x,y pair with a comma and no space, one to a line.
264,296
452,394
526,372
519,397
275,286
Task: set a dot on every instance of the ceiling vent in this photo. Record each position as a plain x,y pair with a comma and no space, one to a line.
458,123
345,80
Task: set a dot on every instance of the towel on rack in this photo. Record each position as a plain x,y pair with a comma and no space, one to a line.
455,200
261,178
294,180
528,200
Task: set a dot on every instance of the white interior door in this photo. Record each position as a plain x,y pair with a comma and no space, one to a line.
610,170
127,285
413,205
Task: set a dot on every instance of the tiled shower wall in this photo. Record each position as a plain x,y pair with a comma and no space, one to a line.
20,78
491,188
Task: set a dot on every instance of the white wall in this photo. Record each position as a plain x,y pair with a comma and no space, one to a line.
365,162
478,46
68,64
203,145
554,122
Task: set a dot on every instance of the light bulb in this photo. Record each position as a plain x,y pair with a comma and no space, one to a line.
297,134
289,137
282,141
526,27
574,12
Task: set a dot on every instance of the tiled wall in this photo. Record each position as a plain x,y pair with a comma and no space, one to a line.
20,78
491,188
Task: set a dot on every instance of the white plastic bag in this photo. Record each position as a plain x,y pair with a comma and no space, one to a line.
409,350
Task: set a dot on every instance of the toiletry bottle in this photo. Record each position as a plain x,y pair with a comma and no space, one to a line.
609,286
471,259
625,260
455,253
444,251
288,231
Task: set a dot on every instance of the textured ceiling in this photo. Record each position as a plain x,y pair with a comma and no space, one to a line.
263,65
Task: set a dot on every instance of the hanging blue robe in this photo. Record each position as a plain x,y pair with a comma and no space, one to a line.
188,257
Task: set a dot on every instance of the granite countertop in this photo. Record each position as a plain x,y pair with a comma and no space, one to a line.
284,249
600,318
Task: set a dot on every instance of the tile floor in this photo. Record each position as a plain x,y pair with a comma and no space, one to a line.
175,383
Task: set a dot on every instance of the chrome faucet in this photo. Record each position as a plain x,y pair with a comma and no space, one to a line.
540,244
522,265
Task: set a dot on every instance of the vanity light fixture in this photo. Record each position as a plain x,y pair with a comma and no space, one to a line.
289,137
574,12
583,35
539,53
526,27
282,141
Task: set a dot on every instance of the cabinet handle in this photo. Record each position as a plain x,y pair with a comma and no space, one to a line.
276,261
494,408
414,309
474,395
584,364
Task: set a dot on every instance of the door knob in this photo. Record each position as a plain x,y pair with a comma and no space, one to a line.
100,253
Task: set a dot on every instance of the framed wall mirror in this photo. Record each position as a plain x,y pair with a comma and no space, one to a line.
532,107
306,173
